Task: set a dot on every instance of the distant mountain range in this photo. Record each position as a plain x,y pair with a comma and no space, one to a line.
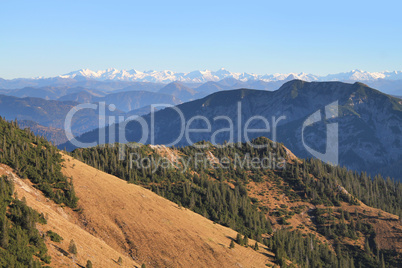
207,75
109,80
370,122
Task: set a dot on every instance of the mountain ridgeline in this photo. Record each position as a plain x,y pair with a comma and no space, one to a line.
369,122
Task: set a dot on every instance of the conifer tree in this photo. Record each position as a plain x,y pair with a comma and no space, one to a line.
72,248
89,264
245,241
232,244
239,240
367,247
256,246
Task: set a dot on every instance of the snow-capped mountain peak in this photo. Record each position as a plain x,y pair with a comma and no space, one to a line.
167,76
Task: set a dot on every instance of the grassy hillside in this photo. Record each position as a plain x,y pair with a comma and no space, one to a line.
153,230
112,224
31,157
63,225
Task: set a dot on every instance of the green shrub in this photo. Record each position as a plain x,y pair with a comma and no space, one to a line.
54,236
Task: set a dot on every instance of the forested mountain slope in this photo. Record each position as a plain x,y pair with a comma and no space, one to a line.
32,157
351,215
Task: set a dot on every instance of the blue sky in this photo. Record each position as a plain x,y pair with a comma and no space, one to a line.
48,38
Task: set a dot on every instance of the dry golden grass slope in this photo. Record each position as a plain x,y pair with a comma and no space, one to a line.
152,230
62,221
117,219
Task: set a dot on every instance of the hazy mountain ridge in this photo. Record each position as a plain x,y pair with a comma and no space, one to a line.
50,114
126,100
46,117
49,92
55,135
369,121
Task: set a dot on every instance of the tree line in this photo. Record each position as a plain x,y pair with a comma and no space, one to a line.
36,159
